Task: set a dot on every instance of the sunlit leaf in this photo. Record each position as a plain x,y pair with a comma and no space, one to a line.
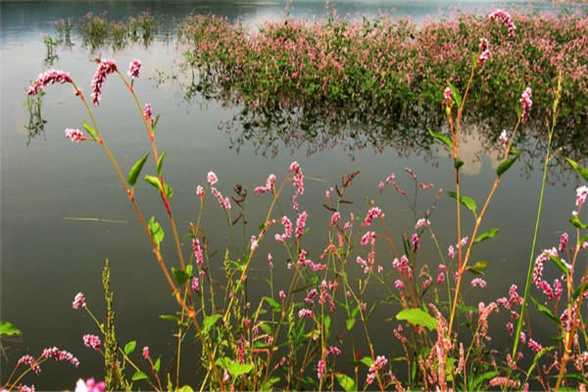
467,201
582,171
130,347
209,322
418,317
91,131
234,368
139,375
486,235
441,137
136,170
156,230
506,164
160,163
346,382
8,329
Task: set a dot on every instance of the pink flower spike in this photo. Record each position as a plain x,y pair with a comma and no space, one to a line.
270,185
447,97
526,104
48,78
134,68
484,51
148,112
92,341
478,282
75,135
300,224
146,354
503,138
211,178
90,385
105,67
79,301
372,214
200,191
505,19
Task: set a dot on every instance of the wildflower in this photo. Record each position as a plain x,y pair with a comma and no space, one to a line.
375,367
200,191
211,178
447,97
526,104
48,78
92,341
503,138
504,382
146,354
270,260
381,186
335,217
415,241
425,186
134,68
369,238
402,265
441,270
282,295
224,202
321,369
148,112
105,67
305,313
300,224
25,388
195,284
90,385
298,182
505,19
60,355
254,243
398,284
563,242
311,296
422,223
451,252
75,135
270,185
581,196
287,223
484,51
334,350
197,251
325,296
79,301
373,213
29,361
535,346
478,282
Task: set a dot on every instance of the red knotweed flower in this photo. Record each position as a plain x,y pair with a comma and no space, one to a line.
503,138
321,369
375,367
29,361
148,112
447,97
105,68
146,353
305,313
79,301
422,223
526,104
581,196
134,68
75,135
484,51
534,345
224,202
287,223
92,341
48,78
298,182
369,238
505,19
212,178
90,385
60,355
270,185
195,284
478,282
372,214
197,251
335,217
200,191
300,224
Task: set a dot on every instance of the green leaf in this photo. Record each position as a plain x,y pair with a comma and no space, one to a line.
346,382
168,190
136,170
582,171
139,375
466,201
180,276
455,93
482,378
457,163
234,368
130,347
169,317
575,220
506,164
156,231
545,310
208,323
157,365
559,263
273,303
417,316
91,131
489,234
349,323
154,181
8,329
268,385
367,361
185,388
478,268
160,163
441,137
580,290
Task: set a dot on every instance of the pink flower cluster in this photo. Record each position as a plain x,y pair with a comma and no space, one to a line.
197,251
369,238
305,313
92,341
300,224
79,301
105,67
422,223
447,97
305,261
526,104
484,51
298,182
60,355
321,369
581,196
375,367
223,201
538,280
90,385
478,282
270,185
148,112
31,362
75,135
134,68
288,228
48,78
402,266
505,19
372,214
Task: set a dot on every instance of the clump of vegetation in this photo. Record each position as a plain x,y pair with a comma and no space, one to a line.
97,30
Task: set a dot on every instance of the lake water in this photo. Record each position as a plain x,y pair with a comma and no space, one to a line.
50,251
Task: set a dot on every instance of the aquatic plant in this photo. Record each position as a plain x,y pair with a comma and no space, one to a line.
315,331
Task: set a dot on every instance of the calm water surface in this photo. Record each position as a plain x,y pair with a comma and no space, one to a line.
49,254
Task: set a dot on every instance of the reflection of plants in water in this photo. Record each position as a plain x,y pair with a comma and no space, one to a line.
64,28
98,31
36,123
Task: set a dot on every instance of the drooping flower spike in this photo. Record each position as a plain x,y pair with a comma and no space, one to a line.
105,68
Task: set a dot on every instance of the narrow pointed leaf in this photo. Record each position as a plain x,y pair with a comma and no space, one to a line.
136,170
441,137
160,163
466,201
487,235
156,230
154,181
506,164
91,131
582,171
